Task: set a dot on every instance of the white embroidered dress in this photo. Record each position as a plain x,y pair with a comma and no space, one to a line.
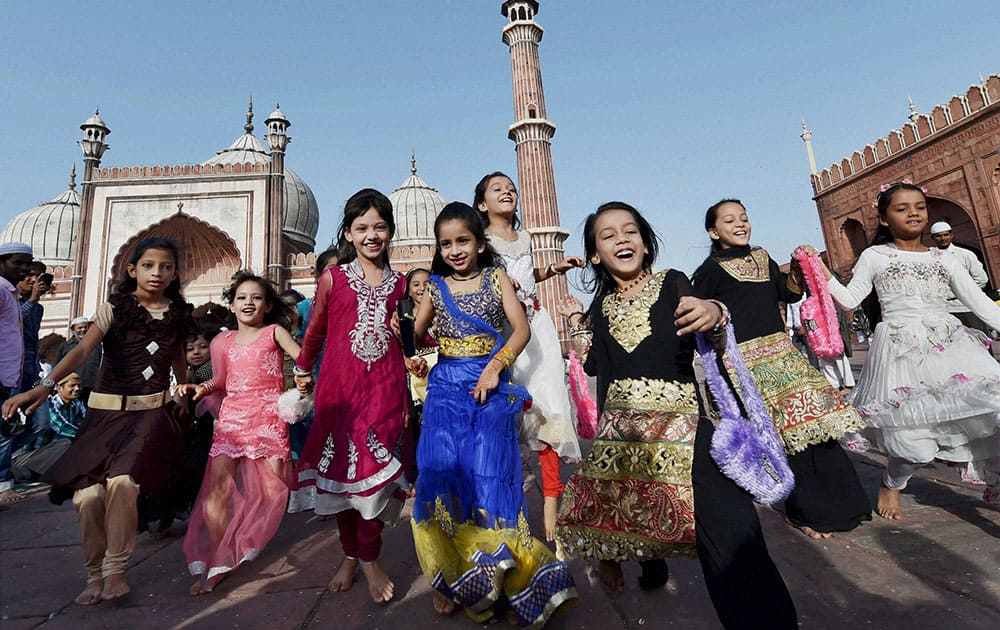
929,387
539,368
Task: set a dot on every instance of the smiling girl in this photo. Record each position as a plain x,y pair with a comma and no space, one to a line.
245,489
355,455
929,388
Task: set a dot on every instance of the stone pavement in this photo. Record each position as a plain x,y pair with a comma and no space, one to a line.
937,569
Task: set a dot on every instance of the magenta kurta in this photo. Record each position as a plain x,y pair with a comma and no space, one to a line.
356,451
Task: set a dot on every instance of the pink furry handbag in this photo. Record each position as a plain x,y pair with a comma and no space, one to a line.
819,315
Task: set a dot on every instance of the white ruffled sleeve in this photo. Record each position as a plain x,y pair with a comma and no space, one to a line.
851,296
966,290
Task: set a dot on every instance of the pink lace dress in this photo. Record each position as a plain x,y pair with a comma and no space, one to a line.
245,490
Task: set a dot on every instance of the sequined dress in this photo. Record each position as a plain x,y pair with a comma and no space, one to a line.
355,454
632,497
470,527
930,388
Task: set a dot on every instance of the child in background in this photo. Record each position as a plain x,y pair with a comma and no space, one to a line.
929,388
809,414
132,436
649,488
547,427
355,456
245,490
418,367
470,524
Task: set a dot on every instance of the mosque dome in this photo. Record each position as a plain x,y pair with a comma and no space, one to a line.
300,215
50,227
415,206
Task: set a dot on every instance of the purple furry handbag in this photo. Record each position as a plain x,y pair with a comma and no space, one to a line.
746,449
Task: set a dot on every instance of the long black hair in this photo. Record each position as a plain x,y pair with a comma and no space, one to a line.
458,211
128,284
712,215
480,196
596,278
360,203
280,312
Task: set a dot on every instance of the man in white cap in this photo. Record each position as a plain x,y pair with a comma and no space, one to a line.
88,371
942,234
15,263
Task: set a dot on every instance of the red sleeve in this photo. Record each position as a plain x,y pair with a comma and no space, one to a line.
217,352
312,343
551,484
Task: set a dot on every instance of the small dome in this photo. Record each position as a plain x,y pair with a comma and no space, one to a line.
50,227
301,212
415,206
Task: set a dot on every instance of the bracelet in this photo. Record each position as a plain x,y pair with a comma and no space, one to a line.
720,327
549,271
297,371
505,356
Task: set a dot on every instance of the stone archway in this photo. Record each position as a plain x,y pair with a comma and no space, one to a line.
209,257
855,234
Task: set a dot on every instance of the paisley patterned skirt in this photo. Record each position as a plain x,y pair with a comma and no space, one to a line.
632,498
805,408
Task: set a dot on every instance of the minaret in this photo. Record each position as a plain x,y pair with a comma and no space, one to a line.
532,134
807,137
913,115
93,147
277,139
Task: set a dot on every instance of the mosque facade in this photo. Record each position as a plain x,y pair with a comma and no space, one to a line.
952,151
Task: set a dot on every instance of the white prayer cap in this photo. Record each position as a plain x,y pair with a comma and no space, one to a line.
7,249
80,320
940,226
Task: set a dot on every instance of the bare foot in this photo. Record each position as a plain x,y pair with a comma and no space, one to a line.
344,576
888,504
11,496
550,509
199,588
115,587
380,587
611,575
90,595
809,531
442,604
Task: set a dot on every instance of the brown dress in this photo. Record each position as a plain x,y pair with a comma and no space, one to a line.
148,445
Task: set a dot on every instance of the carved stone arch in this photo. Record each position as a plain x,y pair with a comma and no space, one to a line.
854,233
963,226
209,257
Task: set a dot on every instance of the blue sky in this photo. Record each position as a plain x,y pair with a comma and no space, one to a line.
667,105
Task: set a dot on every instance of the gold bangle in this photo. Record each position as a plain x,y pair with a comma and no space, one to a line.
505,356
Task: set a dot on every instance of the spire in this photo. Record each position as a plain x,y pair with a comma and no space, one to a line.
249,126
913,111
413,162
806,136
72,178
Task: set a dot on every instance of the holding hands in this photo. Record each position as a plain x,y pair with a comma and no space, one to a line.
570,308
697,315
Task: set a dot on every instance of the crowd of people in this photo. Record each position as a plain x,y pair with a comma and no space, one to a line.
385,388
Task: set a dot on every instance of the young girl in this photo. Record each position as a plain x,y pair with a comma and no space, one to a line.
131,437
470,526
548,426
808,412
417,280
929,388
245,489
354,458
649,488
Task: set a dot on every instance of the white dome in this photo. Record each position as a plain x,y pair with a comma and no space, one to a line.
50,227
415,206
300,215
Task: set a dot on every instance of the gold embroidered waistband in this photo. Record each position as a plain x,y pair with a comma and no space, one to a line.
766,346
652,394
471,346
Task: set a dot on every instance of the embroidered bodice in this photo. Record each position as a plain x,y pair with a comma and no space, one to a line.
519,263
456,338
370,335
628,318
913,285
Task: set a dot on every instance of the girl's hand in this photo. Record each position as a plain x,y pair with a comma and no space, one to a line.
488,381
417,367
33,398
304,384
567,263
808,249
569,305
394,324
696,315
183,389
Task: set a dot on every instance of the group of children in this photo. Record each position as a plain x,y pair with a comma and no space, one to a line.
649,488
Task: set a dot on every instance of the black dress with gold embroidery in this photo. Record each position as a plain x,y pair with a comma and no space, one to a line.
632,497
808,412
